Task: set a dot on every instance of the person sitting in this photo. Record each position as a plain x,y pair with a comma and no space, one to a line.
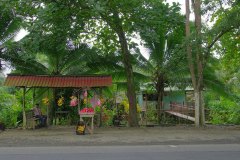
2,126
38,114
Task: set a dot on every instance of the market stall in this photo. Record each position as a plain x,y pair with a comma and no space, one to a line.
80,82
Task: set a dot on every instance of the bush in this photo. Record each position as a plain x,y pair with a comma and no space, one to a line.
107,117
151,115
10,108
224,111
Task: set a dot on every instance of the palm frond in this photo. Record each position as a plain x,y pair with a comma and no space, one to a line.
9,26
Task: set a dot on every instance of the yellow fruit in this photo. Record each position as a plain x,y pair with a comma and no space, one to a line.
60,101
45,101
85,101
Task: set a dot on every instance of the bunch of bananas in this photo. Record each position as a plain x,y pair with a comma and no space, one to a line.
60,101
73,97
102,100
85,101
45,101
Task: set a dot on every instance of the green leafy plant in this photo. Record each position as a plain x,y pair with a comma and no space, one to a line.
10,108
222,110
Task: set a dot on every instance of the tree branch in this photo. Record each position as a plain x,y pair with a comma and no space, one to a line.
218,37
214,41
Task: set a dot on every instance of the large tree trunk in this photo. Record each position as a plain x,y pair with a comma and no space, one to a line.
199,60
160,92
202,110
132,119
133,122
115,23
159,106
23,109
199,109
189,48
196,65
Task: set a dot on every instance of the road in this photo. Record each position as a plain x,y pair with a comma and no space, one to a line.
140,152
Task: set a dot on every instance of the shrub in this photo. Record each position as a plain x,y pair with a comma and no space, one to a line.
10,108
224,111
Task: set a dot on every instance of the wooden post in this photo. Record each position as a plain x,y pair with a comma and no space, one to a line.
34,96
146,108
92,125
23,109
100,118
79,105
48,105
53,110
170,106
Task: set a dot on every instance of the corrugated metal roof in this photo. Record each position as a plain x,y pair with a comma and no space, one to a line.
57,81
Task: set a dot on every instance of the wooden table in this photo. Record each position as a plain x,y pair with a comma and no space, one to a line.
88,117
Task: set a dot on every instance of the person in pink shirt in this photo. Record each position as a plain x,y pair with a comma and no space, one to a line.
38,114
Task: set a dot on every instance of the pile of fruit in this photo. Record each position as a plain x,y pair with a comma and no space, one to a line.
87,111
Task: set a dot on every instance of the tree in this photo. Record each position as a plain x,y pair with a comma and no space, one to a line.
127,18
115,21
162,35
199,53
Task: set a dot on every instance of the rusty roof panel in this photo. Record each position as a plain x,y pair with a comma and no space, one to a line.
58,81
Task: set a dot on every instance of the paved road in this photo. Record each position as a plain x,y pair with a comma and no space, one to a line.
140,152
65,136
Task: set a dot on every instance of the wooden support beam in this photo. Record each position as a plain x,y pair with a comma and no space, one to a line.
23,108
101,109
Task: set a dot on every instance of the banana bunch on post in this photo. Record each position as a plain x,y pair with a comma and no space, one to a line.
45,101
102,100
85,101
60,101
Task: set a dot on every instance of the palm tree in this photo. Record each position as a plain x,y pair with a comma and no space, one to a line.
9,27
49,56
165,62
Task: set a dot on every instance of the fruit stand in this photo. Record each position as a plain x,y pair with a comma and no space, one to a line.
75,82
87,116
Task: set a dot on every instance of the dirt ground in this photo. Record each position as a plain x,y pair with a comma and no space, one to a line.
65,136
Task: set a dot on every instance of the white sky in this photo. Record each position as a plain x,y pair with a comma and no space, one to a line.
22,33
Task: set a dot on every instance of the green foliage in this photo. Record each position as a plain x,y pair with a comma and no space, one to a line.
222,110
62,121
73,114
11,105
151,115
10,24
9,27
10,108
107,117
